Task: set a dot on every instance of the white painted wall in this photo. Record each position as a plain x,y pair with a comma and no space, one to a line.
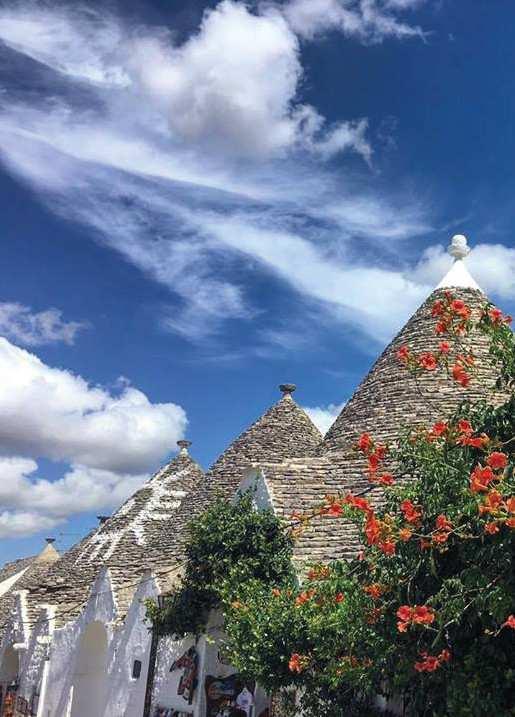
90,674
124,695
166,682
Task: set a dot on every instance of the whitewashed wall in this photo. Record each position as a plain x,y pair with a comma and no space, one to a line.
49,657
126,643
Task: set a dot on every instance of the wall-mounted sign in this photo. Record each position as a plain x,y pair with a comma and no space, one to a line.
136,669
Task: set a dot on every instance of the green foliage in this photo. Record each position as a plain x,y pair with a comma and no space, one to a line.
228,546
502,346
350,649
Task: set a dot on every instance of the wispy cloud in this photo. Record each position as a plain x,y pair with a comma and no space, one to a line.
20,324
370,21
205,169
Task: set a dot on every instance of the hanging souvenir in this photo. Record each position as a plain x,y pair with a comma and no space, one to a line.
188,682
222,694
245,701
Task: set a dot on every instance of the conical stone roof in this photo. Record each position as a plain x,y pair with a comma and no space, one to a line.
19,574
284,431
389,398
140,535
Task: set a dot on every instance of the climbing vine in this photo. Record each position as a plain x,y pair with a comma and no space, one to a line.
425,614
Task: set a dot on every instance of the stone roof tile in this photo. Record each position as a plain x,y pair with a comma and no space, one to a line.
141,534
388,399
284,431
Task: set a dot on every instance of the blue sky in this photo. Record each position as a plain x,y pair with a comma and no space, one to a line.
201,201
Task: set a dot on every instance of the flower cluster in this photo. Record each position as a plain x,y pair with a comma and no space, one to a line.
460,370
496,316
460,434
465,435
430,663
411,514
310,597
304,597
375,454
499,509
298,663
453,315
380,533
443,530
502,511
319,572
375,590
333,507
453,318
416,615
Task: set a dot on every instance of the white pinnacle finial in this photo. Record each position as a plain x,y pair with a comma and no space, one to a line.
458,276
459,248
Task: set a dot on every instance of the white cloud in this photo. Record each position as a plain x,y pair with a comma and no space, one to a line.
17,524
50,412
132,166
211,91
217,94
31,504
110,442
213,95
324,416
366,20
19,323
491,265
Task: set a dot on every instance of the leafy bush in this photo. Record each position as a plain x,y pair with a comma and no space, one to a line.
229,545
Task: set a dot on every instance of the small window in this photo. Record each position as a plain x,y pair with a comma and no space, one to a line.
136,669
